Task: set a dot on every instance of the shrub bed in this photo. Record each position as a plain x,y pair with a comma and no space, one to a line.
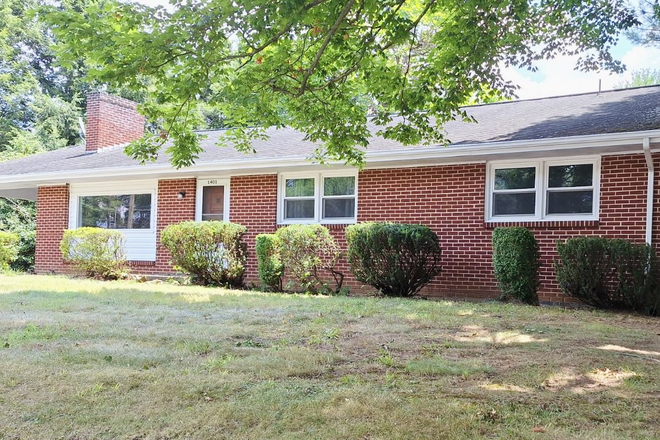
397,259
516,262
610,273
97,252
213,253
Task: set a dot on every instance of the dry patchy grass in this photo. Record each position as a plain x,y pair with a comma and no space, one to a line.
91,360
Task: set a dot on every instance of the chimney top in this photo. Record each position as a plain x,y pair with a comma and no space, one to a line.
111,120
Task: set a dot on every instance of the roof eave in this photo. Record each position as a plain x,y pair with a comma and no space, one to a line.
477,152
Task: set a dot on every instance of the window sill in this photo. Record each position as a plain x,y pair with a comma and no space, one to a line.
331,226
547,224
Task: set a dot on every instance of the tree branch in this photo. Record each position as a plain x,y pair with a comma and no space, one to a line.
331,33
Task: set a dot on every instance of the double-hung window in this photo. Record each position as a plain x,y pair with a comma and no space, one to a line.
543,190
317,198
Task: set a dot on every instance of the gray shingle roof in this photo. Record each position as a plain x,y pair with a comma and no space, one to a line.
617,111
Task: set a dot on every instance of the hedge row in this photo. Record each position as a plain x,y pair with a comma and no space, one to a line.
396,259
610,273
601,272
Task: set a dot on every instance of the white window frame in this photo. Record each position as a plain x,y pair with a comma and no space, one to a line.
318,197
140,243
112,189
211,181
542,173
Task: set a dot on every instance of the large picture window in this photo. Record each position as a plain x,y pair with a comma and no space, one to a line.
318,198
543,190
131,211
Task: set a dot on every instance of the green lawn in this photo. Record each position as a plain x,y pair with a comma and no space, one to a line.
98,360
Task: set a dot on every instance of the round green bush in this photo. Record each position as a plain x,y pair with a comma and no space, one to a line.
610,273
309,255
213,253
96,251
397,259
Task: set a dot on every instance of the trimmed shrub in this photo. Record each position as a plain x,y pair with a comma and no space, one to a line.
638,274
309,255
8,249
269,261
516,261
584,271
213,253
96,251
610,273
397,259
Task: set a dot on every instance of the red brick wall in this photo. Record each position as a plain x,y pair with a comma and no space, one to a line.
449,199
111,121
656,202
52,220
170,210
253,204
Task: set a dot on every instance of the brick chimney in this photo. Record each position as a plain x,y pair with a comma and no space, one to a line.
111,121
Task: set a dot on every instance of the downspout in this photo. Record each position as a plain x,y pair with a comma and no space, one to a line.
646,145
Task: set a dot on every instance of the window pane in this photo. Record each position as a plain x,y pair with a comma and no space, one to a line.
339,186
299,188
570,202
116,212
213,217
213,202
570,175
515,178
298,209
514,204
338,208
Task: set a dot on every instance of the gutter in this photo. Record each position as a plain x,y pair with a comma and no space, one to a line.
646,146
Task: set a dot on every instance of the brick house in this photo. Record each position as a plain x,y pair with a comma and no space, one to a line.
562,166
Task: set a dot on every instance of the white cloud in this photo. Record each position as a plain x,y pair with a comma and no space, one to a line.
558,77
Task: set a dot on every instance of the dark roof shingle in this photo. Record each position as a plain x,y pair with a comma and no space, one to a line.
616,111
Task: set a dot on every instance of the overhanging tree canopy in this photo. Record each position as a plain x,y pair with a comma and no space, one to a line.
323,66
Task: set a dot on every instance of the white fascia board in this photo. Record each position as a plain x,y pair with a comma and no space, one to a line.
587,143
418,156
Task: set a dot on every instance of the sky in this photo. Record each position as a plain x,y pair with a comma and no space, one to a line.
557,76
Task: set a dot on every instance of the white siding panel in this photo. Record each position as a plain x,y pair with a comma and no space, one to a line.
140,243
